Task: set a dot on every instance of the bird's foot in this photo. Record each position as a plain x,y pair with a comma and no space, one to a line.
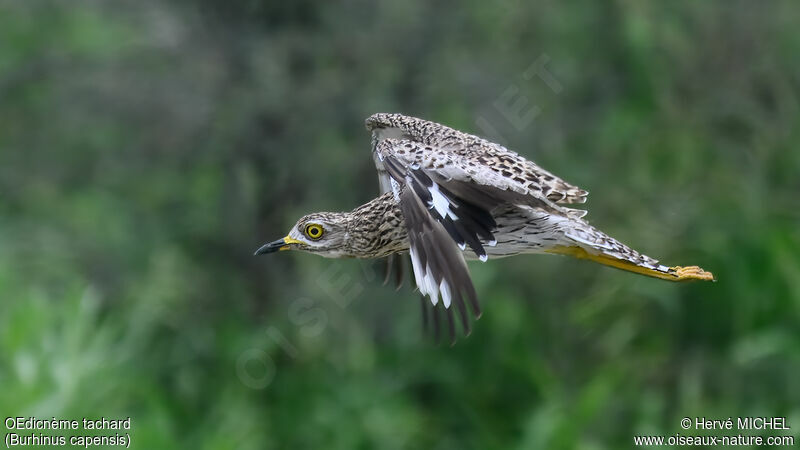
691,273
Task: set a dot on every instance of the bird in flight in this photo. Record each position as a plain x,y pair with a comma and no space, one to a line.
447,196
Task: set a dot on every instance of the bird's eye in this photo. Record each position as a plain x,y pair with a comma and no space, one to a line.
314,231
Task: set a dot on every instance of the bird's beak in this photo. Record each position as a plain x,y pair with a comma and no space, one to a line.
274,246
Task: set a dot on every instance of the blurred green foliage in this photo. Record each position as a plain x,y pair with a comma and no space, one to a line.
148,147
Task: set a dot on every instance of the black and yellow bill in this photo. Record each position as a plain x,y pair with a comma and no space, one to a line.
275,246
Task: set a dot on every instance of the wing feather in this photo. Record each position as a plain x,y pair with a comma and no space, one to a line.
439,266
447,183
496,164
463,220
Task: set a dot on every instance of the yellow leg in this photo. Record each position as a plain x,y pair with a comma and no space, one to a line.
676,273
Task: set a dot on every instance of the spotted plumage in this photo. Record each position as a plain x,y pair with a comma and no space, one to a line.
447,196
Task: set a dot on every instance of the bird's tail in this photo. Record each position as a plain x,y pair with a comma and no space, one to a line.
585,242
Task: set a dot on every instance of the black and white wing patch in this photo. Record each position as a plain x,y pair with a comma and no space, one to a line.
439,266
465,222
440,225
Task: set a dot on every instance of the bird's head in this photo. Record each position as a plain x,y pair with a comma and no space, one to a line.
322,233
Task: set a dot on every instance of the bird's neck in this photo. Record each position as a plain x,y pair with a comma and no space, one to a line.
376,229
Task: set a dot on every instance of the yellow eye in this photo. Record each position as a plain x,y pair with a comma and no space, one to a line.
314,231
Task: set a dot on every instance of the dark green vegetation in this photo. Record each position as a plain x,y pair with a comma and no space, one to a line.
148,148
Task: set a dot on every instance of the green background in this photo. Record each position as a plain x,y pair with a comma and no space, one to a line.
148,148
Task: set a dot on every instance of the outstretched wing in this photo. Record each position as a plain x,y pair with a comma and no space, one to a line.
447,183
439,266
495,164
439,224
